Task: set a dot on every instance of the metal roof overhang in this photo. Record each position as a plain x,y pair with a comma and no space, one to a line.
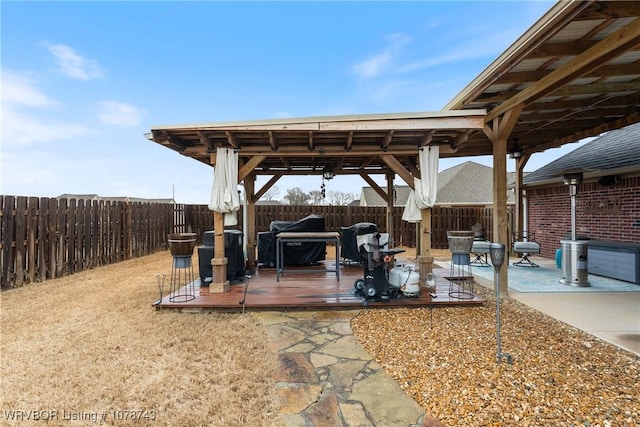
575,73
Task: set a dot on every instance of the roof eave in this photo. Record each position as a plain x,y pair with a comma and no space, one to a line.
536,34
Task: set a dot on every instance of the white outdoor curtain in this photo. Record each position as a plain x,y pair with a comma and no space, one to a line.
224,192
426,187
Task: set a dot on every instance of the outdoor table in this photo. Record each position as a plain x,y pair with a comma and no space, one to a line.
303,237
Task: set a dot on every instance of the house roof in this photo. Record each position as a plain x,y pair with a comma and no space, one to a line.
616,152
468,183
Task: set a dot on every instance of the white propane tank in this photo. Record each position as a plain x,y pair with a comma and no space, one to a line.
406,279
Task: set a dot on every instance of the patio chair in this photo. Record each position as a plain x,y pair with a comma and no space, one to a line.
480,247
524,243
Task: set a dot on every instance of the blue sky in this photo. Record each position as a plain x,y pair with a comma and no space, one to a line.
83,81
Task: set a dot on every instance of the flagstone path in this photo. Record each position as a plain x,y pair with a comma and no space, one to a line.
325,378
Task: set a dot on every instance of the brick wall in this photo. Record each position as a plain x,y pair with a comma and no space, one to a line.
603,212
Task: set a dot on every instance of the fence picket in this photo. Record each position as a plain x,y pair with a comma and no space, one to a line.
7,230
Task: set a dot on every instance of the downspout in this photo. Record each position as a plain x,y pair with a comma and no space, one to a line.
245,220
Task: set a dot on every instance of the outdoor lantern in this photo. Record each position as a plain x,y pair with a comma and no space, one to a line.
516,152
497,253
327,173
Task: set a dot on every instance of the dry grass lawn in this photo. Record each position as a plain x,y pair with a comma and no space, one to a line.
91,343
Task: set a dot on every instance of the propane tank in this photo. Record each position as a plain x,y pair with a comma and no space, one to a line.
406,279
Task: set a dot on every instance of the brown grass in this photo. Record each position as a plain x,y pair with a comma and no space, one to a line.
92,343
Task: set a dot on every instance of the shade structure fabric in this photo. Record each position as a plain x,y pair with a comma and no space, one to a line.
426,187
224,191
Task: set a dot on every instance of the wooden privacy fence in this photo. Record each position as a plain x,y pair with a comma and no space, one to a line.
45,238
198,218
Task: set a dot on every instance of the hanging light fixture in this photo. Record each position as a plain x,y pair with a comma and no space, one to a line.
516,152
327,173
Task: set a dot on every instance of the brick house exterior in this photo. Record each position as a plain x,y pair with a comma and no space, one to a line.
608,199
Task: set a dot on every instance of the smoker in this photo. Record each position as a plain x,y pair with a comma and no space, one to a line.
376,258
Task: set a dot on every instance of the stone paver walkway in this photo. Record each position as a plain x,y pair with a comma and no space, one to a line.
325,378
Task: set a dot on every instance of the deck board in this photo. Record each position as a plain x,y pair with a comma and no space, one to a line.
309,290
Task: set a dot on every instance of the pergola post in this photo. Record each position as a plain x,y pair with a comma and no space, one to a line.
498,131
425,260
519,193
390,216
219,260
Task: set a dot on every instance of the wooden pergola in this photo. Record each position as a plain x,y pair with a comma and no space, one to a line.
574,74
363,145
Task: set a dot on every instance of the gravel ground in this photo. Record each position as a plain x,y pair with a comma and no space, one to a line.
446,359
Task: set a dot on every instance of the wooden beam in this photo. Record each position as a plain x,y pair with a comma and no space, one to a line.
606,71
427,138
460,139
204,140
311,144
387,140
272,142
285,163
412,166
330,151
466,119
349,142
593,131
397,167
587,61
232,140
374,185
249,166
268,185
366,162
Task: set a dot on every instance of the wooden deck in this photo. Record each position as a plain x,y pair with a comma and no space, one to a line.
310,290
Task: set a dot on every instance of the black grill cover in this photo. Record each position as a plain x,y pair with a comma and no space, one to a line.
348,239
294,254
232,250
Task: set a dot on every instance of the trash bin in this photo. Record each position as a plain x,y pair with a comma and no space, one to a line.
574,262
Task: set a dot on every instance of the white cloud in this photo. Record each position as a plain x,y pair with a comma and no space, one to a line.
19,89
119,114
490,45
19,125
20,129
378,63
73,65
